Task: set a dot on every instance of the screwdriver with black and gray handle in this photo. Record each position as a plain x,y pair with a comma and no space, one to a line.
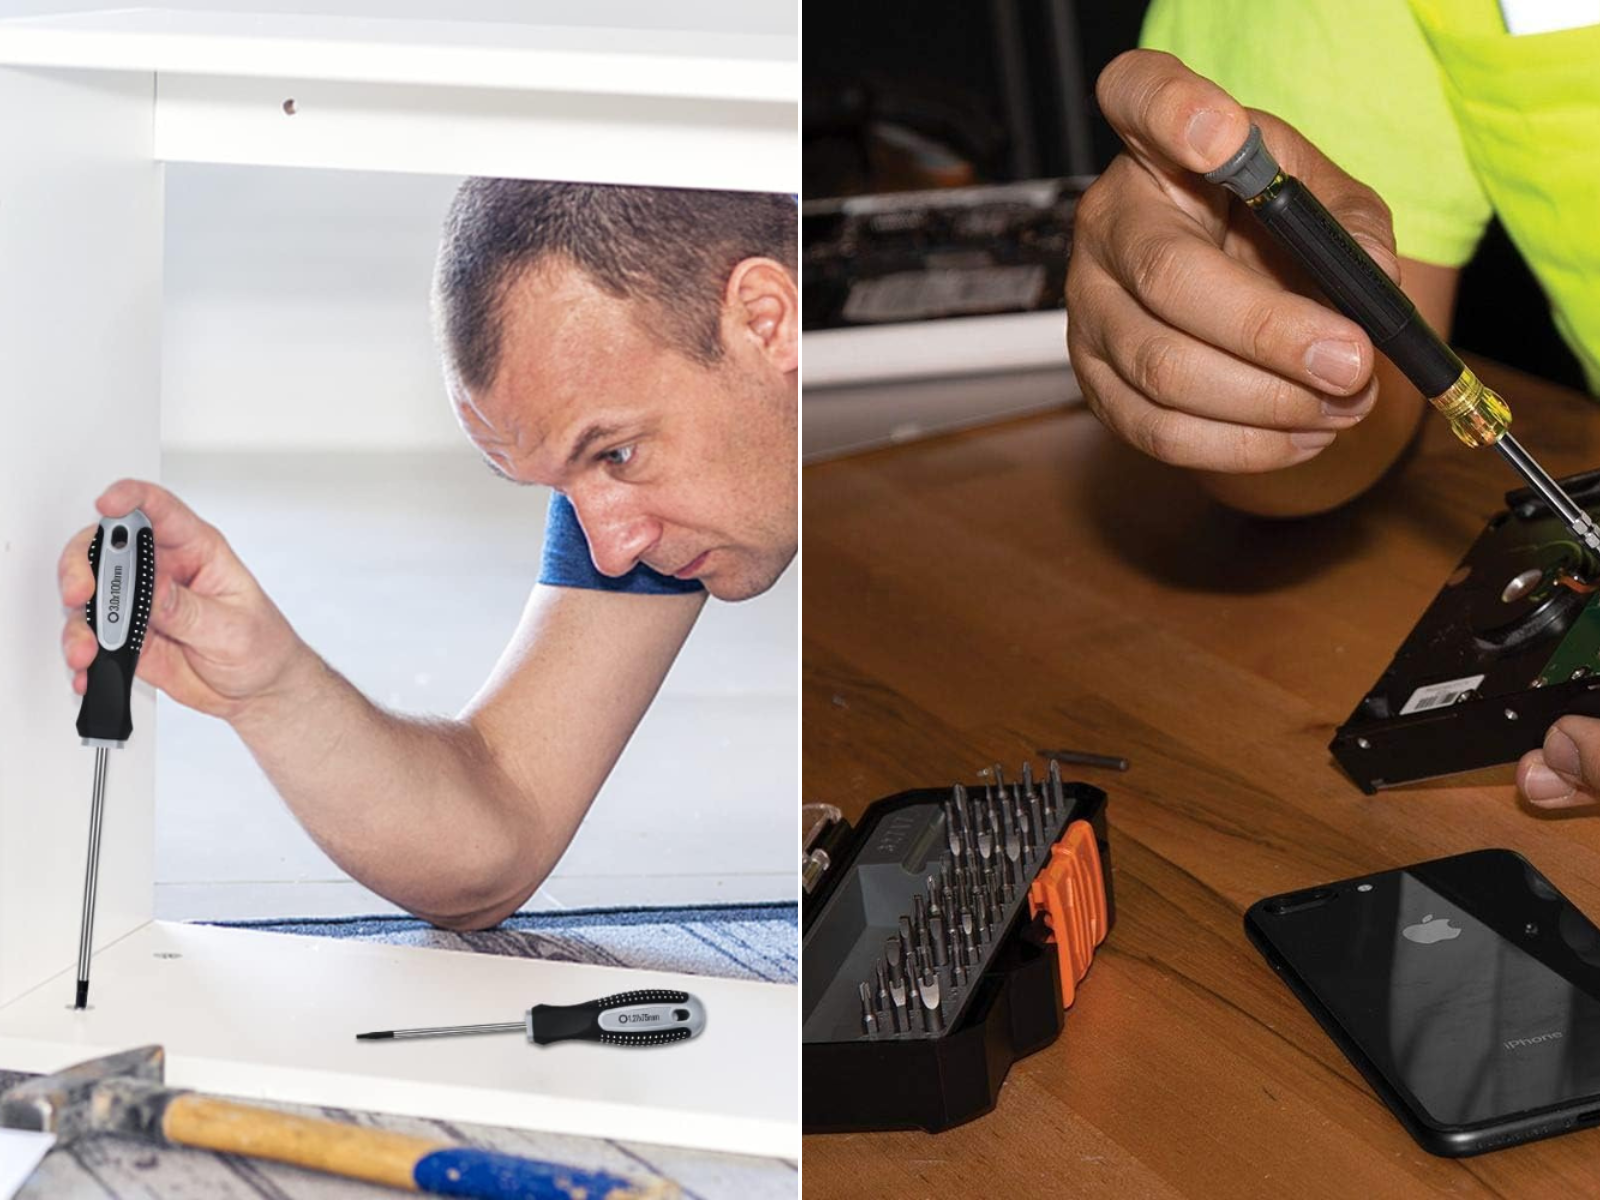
123,559
1359,288
651,1017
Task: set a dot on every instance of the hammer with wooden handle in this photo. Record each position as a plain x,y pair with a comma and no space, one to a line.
124,1094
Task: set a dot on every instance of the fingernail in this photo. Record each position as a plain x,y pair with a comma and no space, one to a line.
1312,439
1205,127
1561,754
1335,363
1347,406
1541,785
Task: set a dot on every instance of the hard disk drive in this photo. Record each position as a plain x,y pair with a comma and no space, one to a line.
1511,642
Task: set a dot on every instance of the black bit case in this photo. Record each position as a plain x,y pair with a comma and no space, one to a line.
931,1081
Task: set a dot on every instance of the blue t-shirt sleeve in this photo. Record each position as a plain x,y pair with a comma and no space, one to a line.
567,562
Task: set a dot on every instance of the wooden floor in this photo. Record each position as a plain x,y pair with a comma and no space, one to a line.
976,597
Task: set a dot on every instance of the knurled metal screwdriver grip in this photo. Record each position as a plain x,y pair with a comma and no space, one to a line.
122,557
1359,289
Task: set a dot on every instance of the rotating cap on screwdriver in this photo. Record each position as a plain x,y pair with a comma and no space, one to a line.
1250,170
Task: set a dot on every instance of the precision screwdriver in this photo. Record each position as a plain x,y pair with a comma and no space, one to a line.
653,1017
123,559
1359,288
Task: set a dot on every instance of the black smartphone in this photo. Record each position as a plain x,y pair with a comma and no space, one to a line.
1466,990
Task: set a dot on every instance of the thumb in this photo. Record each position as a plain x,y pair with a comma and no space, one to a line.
1166,113
1565,771
186,617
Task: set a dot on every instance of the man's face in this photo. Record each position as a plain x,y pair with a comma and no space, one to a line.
688,469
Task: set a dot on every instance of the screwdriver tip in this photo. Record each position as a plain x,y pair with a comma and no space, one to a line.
83,994
378,1036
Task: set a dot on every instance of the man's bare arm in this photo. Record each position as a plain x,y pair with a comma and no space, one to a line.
459,821
456,820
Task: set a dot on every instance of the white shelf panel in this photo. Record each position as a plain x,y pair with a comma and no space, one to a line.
273,1016
689,63
581,136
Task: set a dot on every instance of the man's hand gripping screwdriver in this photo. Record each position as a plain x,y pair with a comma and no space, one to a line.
1359,289
123,559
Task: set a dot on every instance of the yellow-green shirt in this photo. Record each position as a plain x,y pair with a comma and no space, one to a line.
1442,112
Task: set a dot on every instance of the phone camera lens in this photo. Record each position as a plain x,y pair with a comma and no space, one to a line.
1531,929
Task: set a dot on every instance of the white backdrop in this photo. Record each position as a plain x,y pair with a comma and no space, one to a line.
296,311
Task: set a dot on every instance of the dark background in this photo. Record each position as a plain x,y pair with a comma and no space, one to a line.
996,90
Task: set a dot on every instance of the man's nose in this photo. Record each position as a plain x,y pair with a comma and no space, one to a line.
618,538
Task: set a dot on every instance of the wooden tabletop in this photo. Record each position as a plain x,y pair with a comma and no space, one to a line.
1036,584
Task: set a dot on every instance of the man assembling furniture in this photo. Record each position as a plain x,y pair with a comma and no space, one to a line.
634,349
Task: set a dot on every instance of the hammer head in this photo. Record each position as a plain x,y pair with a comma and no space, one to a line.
60,1103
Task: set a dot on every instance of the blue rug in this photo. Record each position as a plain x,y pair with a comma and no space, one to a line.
733,941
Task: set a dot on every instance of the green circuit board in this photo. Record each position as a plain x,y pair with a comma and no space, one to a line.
1579,652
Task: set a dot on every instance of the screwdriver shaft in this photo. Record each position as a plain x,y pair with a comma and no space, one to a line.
443,1031
1548,490
91,876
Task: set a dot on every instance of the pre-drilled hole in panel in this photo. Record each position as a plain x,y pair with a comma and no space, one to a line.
288,106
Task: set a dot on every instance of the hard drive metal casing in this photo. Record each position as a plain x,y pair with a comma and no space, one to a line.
1503,650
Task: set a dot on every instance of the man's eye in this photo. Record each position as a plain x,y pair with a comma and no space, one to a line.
619,457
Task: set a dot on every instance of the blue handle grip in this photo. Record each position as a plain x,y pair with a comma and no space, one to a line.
460,1171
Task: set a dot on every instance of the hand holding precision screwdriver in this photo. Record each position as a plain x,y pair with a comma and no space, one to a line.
216,641
1190,330
1359,289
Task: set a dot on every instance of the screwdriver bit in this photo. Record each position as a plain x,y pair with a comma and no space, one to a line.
897,994
930,1002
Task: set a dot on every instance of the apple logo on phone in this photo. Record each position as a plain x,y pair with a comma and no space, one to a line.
1431,929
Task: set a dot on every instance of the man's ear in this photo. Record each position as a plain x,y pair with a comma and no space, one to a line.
761,308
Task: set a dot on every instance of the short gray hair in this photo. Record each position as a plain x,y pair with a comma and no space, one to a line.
671,248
